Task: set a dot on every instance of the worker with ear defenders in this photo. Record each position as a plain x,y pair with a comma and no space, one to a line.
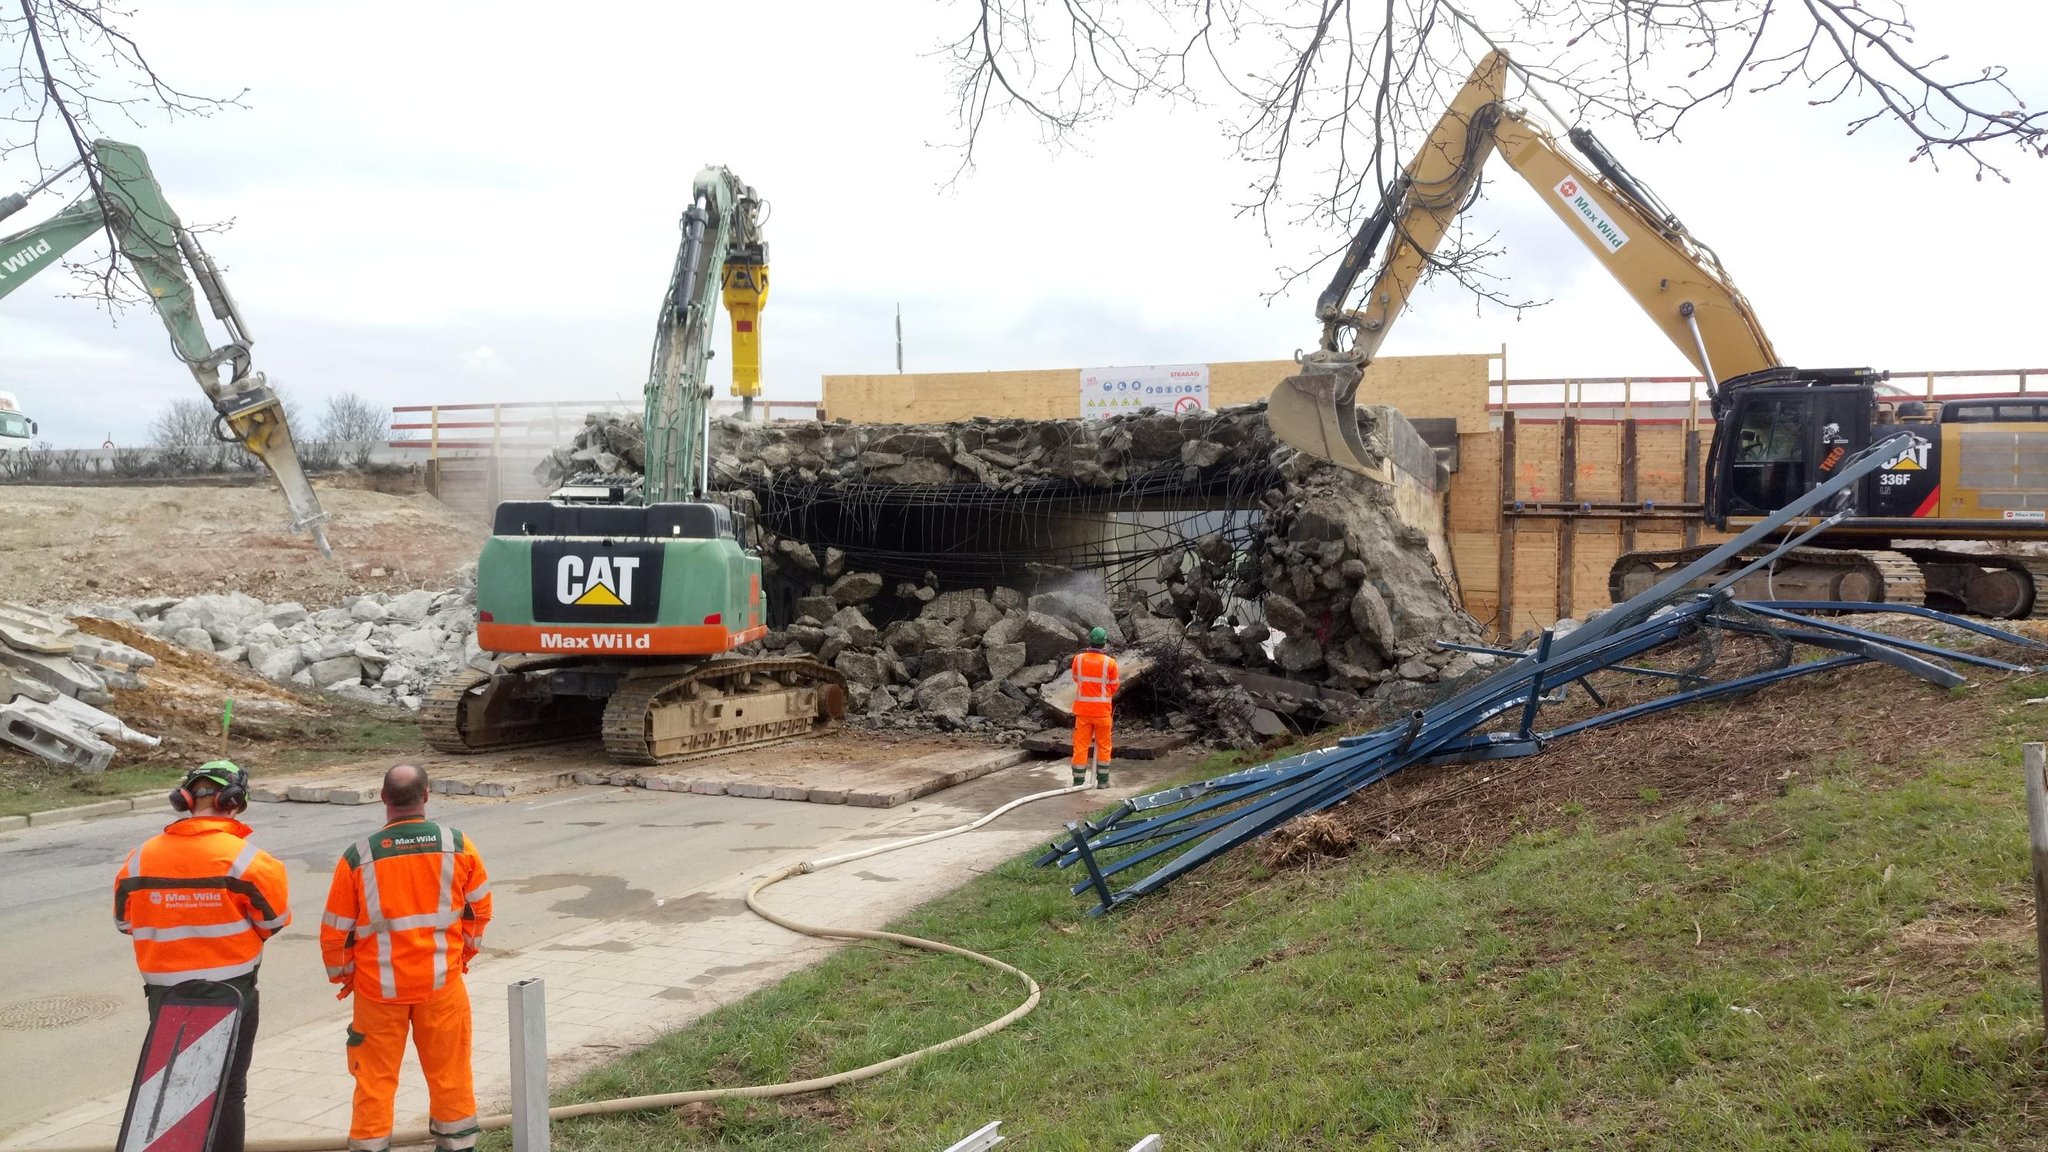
199,900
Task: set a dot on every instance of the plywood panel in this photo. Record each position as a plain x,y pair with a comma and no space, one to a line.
1475,487
1420,386
1599,462
1660,463
1437,386
1536,461
1477,556
1535,577
1599,544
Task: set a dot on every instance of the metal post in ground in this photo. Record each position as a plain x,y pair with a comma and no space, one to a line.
528,1003
2034,758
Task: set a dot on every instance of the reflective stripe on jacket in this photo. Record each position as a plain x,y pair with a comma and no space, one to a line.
407,905
1094,683
199,900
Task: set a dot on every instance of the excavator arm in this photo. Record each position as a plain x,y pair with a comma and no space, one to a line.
158,250
722,254
1676,280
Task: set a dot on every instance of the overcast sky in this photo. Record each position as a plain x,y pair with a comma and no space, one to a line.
455,202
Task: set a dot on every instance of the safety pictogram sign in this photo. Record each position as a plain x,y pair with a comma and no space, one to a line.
176,1097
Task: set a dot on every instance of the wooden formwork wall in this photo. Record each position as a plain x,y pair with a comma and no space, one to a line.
1450,386
1575,496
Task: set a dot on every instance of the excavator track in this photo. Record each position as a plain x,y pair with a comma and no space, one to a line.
1999,585
1801,574
719,706
456,717
655,715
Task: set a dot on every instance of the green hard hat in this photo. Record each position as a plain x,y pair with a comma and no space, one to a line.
221,772
1098,636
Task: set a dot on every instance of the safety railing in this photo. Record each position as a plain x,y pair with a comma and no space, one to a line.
538,424
1683,399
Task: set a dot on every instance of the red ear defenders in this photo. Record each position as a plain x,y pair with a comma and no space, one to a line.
230,796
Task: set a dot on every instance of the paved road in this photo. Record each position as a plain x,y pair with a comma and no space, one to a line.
560,862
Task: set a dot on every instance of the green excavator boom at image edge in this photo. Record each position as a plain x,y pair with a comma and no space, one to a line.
159,250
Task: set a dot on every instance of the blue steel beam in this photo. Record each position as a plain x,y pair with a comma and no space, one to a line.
1220,815
1920,610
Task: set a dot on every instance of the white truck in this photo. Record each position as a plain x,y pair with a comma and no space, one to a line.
17,432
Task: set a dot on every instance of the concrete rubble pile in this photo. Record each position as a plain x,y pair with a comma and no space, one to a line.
379,648
1330,613
1322,606
53,680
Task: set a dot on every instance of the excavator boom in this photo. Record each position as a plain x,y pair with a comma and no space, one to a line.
721,256
159,249
1672,277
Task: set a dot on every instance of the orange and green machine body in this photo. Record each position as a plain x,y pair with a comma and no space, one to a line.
604,571
668,579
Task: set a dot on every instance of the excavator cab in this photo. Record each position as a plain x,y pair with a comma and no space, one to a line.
1777,438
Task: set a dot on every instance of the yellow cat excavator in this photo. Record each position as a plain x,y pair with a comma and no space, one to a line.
1976,470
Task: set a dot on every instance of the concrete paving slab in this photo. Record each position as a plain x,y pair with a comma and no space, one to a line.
636,932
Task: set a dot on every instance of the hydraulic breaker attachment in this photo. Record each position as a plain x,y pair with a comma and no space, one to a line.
1312,411
745,288
256,419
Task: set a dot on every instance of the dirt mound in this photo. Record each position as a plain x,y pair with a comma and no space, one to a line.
182,696
74,545
1736,753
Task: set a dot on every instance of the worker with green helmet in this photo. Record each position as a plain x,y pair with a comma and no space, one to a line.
1095,685
199,901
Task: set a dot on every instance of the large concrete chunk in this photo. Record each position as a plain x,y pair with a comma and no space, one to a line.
336,671
855,588
1050,638
34,630
66,675
41,730
945,694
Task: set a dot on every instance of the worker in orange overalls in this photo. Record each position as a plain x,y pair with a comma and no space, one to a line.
1094,688
199,900
405,915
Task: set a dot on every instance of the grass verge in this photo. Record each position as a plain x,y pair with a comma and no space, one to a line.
1847,965
31,785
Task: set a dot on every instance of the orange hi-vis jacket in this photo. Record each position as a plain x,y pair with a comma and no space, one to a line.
1094,683
408,904
200,900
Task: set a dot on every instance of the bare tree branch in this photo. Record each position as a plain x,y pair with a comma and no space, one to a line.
1326,98
74,69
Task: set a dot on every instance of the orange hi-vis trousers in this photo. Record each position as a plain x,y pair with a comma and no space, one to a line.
1091,729
440,1034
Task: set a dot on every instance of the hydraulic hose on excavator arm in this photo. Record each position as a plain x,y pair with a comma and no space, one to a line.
159,249
1675,279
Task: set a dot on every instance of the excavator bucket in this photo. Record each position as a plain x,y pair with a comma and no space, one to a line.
257,420
1312,412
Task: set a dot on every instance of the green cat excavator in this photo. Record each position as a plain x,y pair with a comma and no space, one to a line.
614,606
130,204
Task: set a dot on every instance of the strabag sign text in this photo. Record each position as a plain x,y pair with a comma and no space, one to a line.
1166,387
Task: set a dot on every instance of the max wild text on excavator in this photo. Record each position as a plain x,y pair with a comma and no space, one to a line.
127,201
614,605
1976,470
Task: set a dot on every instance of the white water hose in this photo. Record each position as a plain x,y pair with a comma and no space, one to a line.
754,1091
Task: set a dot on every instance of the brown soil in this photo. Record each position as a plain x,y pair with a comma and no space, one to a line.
1737,753
66,545
183,694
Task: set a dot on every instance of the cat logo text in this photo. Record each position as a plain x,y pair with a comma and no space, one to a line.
605,581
